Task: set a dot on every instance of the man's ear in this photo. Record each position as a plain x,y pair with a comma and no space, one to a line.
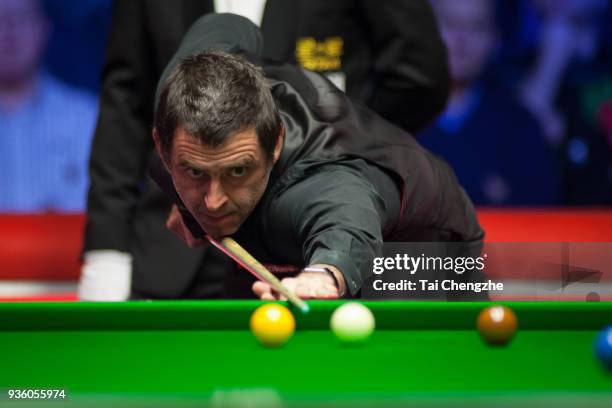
158,148
280,140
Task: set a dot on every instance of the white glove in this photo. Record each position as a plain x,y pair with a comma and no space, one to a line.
106,275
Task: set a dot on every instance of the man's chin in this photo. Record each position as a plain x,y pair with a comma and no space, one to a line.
220,233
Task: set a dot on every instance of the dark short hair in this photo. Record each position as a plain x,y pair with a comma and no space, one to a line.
214,95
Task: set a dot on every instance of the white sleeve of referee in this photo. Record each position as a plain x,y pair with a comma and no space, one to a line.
106,275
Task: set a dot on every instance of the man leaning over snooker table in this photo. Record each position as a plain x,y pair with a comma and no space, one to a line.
298,174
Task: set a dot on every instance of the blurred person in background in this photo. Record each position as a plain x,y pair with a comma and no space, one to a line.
387,54
45,125
568,88
494,145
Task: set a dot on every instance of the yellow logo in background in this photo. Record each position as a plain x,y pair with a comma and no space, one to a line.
320,55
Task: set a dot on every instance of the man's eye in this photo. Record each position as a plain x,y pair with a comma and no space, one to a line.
195,173
238,171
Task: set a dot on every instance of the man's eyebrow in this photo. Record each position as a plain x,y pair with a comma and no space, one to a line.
186,163
243,161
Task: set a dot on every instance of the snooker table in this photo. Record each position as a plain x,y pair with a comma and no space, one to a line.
201,353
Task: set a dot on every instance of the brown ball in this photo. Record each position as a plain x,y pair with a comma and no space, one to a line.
497,325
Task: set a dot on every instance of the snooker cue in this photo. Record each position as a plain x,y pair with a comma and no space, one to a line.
231,248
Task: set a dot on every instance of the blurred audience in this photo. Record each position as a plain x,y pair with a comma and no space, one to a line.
495,145
45,125
568,87
555,55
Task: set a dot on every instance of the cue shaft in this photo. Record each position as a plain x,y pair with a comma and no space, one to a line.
231,248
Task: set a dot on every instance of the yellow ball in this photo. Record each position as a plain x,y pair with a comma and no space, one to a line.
272,324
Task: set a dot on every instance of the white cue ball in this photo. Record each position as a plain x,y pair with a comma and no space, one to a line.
352,322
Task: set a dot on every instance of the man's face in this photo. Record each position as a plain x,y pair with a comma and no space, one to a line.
467,27
23,32
220,186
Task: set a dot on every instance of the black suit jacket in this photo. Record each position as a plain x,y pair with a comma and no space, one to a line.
390,51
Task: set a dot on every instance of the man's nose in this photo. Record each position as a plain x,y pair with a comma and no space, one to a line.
215,197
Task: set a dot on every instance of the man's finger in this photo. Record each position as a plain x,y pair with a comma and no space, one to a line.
310,289
291,284
261,288
329,292
306,291
268,296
